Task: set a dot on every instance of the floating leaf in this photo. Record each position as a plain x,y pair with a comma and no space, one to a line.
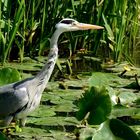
121,130
43,111
120,111
87,133
102,79
114,129
2,137
9,75
104,132
26,66
137,102
127,97
95,102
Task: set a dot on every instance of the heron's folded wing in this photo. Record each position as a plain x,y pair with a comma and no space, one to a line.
12,100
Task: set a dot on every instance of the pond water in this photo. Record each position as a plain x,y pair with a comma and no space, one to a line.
86,64
55,119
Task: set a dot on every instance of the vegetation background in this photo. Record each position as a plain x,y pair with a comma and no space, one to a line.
26,26
25,29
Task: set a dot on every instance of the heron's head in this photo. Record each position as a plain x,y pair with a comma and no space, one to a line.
68,24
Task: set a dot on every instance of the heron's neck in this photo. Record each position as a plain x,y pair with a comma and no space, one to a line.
44,75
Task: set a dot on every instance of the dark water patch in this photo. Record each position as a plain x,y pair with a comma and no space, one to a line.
16,137
64,128
48,102
64,114
86,64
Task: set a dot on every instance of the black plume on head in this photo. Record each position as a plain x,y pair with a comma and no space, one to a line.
67,21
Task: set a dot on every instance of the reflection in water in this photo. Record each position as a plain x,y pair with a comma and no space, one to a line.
86,65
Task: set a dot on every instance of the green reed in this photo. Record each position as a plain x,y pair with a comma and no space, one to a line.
28,25
121,23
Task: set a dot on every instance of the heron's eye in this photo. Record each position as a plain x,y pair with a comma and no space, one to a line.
73,23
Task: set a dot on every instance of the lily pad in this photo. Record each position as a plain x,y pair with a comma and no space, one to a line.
114,129
43,111
3,137
120,111
9,75
96,103
121,130
66,107
127,97
28,66
87,133
104,79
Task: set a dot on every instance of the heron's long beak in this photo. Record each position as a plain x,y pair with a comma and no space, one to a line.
84,26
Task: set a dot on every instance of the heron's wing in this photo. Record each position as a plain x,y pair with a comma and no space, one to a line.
12,99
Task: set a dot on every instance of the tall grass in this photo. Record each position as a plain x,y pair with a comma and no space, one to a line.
121,23
26,26
10,28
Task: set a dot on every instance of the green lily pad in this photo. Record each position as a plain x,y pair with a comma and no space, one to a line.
66,107
28,66
87,133
3,137
114,129
96,103
46,122
127,97
120,111
121,130
9,75
104,79
43,111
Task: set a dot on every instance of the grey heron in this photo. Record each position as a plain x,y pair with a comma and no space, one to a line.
19,99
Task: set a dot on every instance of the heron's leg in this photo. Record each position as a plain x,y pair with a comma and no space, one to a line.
23,121
8,120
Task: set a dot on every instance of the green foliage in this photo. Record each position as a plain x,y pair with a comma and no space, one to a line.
121,27
95,107
26,26
137,101
115,129
121,111
120,129
2,137
9,75
9,27
97,103
56,115
104,79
